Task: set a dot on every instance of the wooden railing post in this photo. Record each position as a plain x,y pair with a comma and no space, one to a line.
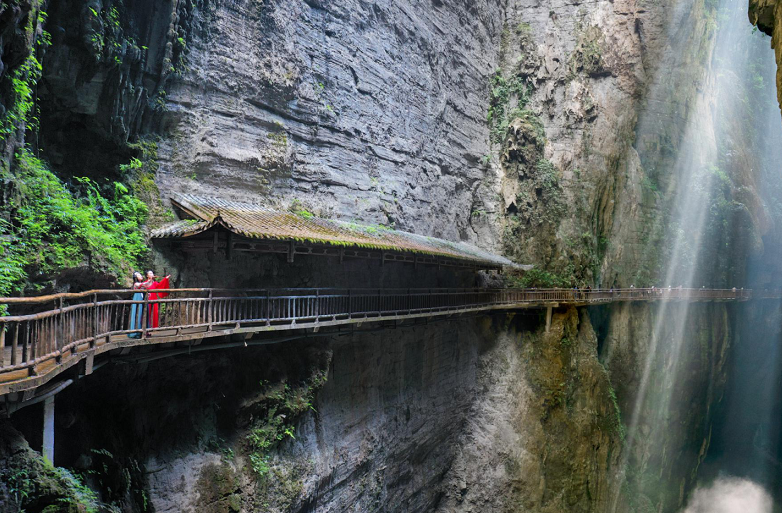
268,307
317,304
60,343
2,344
15,344
350,304
210,310
95,320
145,315
26,343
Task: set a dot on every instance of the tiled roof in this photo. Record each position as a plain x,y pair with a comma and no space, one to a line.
258,222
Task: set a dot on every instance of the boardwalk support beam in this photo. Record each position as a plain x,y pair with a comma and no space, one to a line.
48,429
549,311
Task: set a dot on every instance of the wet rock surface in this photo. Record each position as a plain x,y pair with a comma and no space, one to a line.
378,112
669,369
473,414
767,16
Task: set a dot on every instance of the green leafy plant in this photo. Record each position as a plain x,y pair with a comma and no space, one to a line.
545,279
501,93
23,81
275,423
56,227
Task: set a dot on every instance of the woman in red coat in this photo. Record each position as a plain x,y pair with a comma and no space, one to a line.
153,315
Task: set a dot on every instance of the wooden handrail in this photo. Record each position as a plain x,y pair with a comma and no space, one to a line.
79,295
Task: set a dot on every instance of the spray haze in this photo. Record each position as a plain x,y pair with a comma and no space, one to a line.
730,495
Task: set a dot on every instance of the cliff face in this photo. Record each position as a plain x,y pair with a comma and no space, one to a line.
488,413
550,134
366,111
664,378
519,137
546,131
766,15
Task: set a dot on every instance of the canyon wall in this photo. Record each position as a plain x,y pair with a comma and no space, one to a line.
452,416
539,135
766,15
548,132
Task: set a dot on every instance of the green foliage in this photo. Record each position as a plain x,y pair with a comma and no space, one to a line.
55,227
23,82
108,39
533,120
21,110
133,165
28,480
275,423
82,497
616,423
547,175
298,208
649,184
44,39
545,279
501,94
524,29
587,56
19,484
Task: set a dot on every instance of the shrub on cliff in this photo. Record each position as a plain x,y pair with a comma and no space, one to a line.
52,227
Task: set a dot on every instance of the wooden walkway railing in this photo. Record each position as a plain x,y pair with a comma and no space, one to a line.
73,326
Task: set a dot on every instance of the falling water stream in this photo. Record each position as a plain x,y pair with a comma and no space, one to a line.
748,429
732,140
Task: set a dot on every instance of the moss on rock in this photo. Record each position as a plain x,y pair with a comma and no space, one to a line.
29,483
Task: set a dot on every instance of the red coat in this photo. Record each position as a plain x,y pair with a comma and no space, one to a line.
154,320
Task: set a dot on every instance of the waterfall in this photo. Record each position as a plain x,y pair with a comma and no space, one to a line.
748,432
723,226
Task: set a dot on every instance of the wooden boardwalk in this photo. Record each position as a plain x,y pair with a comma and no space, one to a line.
72,329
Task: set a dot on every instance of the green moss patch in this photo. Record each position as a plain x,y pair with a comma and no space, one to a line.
29,483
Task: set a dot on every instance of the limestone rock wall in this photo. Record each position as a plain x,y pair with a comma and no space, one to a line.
546,134
528,128
361,110
669,367
490,413
390,115
767,16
